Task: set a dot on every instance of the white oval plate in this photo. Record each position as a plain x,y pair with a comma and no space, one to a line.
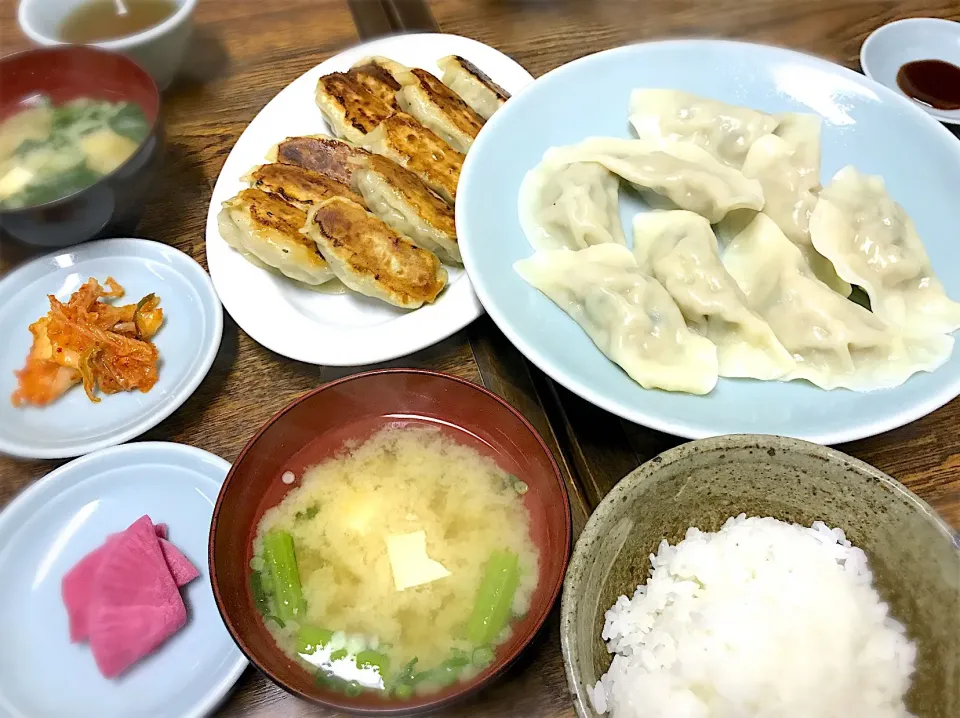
346,329
188,342
54,524
891,46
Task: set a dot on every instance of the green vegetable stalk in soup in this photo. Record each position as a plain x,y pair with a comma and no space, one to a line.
48,152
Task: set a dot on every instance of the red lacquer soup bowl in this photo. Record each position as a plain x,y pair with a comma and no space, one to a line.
112,205
315,427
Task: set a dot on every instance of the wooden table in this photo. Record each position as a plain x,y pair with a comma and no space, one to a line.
245,51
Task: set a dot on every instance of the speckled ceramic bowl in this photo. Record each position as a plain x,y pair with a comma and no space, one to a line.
912,552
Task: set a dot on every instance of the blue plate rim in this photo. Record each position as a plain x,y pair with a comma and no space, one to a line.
542,361
49,481
191,270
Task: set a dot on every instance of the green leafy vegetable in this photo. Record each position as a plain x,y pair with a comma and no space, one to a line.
310,638
280,560
491,610
374,658
130,121
307,514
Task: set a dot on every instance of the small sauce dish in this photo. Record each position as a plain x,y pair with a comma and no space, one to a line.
892,46
158,49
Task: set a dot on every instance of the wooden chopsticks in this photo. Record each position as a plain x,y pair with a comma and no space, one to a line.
375,18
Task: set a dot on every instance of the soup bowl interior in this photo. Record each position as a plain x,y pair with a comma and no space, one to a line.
915,564
315,427
115,200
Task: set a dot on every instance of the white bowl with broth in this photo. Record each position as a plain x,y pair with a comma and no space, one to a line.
154,33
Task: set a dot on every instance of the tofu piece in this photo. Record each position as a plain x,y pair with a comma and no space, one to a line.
409,561
14,180
371,258
303,188
472,85
105,150
404,140
439,109
265,229
348,107
392,193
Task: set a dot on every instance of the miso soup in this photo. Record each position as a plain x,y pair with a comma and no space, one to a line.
397,566
50,151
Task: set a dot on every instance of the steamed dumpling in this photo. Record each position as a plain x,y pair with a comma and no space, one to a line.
835,342
683,173
628,315
787,166
874,244
570,206
725,131
679,249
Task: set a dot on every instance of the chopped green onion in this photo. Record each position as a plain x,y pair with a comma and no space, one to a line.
491,610
353,689
403,691
338,654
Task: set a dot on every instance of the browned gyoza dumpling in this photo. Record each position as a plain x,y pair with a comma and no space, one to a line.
472,85
265,229
371,258
389,191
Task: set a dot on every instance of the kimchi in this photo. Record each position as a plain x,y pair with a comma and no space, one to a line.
87,341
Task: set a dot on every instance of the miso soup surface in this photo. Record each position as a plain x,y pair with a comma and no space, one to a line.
409,505
48,152
100,20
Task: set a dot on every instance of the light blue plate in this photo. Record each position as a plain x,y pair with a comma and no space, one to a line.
54,524
917,38
188,342
864,124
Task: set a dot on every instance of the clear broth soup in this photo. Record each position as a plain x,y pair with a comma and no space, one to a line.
99,20
398,566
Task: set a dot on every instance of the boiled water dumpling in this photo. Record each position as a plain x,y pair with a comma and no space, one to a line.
679,249
787,166
873,243
683,173
627,314
725,131
570,206
835,342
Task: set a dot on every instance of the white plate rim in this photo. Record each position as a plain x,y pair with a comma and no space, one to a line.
203,285
448,319
951,117
61,474
545,364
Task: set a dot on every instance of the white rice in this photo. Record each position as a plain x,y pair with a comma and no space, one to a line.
762,619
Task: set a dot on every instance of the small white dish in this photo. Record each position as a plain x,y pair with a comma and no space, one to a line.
921,38
55,523
158,49
188,342
345,329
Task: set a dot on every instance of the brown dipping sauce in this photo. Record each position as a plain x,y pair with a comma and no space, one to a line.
933,82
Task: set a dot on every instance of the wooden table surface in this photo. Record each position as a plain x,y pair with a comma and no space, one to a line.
243,52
